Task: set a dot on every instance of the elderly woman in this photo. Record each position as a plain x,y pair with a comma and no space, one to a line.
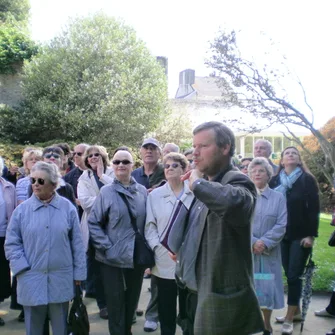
98,174
29,158
41,229
7,205
161,202
112,233
303,208
267,231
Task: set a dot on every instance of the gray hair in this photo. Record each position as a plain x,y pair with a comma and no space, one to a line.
223,135
268,145
174,147
262,162
188,152
2,165
50,169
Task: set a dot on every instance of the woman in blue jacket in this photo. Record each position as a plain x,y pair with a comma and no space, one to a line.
41,229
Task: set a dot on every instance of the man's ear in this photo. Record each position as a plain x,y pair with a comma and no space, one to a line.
225,150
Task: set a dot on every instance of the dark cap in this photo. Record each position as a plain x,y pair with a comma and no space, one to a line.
150,140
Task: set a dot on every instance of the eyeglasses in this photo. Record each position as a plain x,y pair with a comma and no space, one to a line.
51,154
77,153
173,165
95,155
124,162
39,181
243,167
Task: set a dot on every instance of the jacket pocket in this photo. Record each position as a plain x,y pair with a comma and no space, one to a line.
122,251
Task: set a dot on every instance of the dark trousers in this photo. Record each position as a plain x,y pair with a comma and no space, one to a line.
167,305
122,291
151,313
94,284
294,258
191,308
331,307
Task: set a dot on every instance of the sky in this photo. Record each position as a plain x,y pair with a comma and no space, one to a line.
182,31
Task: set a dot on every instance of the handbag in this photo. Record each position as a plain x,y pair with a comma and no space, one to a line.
331,241
78,323
264,286
143,254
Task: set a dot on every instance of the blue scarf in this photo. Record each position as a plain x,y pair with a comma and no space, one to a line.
287,181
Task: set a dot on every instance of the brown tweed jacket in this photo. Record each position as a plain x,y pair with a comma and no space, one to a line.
227,303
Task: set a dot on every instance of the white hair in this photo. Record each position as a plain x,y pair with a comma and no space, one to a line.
262,162
50,169
2,165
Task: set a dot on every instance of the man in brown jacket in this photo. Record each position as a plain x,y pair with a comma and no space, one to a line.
215,260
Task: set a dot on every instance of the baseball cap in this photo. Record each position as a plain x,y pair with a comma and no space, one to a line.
150,140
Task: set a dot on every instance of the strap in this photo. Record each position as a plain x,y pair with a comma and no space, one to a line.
132,218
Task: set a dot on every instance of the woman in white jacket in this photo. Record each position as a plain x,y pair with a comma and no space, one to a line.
98,174
160,204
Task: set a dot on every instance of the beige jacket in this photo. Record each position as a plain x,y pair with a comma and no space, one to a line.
160,204
88,190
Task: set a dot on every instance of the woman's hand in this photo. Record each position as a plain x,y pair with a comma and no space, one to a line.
307,242
100,167
172,256
258,247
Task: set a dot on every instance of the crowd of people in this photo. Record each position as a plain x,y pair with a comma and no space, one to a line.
74,218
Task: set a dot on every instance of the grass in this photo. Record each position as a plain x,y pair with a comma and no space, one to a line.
324,257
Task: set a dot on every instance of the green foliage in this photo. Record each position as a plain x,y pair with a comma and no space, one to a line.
15,46
96,83
14,9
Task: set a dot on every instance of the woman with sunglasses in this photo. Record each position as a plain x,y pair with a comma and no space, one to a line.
118,207
98,174
45,248
244,165
301,191
160,205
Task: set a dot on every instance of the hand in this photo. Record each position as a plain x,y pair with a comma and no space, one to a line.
100,167
77,282
78,202
147,271
13,170
172,256
258,247
192,176
307,242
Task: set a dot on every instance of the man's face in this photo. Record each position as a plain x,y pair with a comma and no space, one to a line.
150,154
208,157
167,149
78,153
261,149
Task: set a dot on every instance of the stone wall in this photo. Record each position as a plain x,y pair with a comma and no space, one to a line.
10,87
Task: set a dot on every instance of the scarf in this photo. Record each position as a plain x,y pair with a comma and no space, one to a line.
287,181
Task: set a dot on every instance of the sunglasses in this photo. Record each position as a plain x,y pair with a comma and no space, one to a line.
93,155
51,154
39,181
124,162
243,167
77,153
173,165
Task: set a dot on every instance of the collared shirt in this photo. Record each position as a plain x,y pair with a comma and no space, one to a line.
149,181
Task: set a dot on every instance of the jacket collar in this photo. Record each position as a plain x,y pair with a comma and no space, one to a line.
37,203
127,190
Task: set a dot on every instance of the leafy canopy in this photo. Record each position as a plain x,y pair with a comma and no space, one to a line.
96,82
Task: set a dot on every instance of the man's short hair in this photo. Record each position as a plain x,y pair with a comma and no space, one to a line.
174,147
268,145
223,135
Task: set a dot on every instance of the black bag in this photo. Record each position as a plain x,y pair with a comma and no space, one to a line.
78,318
331,241
143,254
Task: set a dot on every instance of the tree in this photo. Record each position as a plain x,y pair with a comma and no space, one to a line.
95,82
176,128
15,42
14,9
259,92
